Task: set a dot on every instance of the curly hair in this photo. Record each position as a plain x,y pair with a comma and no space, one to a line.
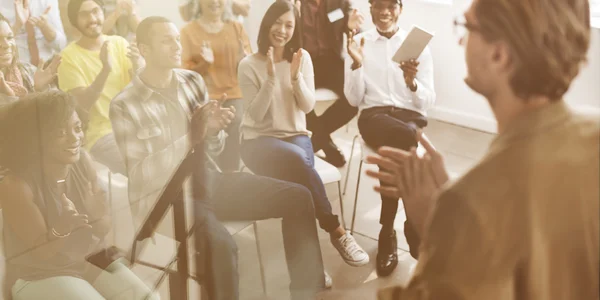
24,124
549,40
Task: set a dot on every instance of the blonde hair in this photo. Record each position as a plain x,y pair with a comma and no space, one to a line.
548,39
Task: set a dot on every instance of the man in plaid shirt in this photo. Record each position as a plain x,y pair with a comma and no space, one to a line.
152,120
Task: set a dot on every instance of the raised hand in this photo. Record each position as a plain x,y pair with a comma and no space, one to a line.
22,12
105,57
209,119
5,89
43,77
220,117
355,20
409,68
270,63
296,63
41,21
207,53
354,50
125,7
133,53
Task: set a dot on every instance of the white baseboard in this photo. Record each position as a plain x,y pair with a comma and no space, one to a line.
463,119
476,122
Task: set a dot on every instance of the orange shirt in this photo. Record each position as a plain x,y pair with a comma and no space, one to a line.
229,46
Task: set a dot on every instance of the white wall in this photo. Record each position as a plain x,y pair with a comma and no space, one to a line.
456,103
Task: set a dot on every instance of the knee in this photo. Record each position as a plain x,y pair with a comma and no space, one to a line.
301,198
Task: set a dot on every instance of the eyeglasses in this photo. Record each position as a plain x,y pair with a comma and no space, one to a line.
462,29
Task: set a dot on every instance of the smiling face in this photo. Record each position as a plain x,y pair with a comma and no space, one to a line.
164,47
63,145
8,45
90,19
282,30
385,14
214,8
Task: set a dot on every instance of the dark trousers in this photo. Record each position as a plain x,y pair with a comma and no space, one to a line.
229,160
329,74
393,127
247,197
292,160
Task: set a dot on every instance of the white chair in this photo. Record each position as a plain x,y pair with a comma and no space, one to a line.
326,95
365,152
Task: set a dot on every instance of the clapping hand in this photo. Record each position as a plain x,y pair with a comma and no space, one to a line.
43,77
409,68
133,53
41,21
70,219
270,63
95,201
210,119
5,89
22,13
354,50
355,20
105,57
295,66
417,180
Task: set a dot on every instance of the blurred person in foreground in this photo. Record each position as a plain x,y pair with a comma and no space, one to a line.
55,210
523,223
159,119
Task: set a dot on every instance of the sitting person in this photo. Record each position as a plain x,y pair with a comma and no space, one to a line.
213,47
38,30
158,119
54,208
390,114
523,222
17,78
238,9
94,69
279,89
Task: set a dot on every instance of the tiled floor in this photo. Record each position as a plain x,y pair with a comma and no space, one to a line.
462,148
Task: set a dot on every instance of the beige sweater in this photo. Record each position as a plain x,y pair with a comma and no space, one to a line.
275,106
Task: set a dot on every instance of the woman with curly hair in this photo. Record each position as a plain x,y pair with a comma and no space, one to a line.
54,209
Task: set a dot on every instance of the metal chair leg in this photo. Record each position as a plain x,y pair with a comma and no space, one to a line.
339,184
111,209
349,164
356,196
260,260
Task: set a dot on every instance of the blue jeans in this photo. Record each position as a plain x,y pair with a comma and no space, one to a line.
291,159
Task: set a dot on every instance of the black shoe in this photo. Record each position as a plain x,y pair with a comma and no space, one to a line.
333,155
387,254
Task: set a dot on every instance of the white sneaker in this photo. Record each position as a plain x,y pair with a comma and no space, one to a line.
351,252
328,281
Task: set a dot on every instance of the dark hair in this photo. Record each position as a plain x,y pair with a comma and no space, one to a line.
74,7
276,10
397,1
143,34
25,122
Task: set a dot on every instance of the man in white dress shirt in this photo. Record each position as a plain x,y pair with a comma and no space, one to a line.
393,99
37,26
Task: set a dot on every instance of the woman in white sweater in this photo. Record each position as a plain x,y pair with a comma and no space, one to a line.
278,87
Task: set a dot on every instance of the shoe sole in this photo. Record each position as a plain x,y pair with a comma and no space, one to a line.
357,263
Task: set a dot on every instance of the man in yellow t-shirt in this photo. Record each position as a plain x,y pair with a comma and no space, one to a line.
94,70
